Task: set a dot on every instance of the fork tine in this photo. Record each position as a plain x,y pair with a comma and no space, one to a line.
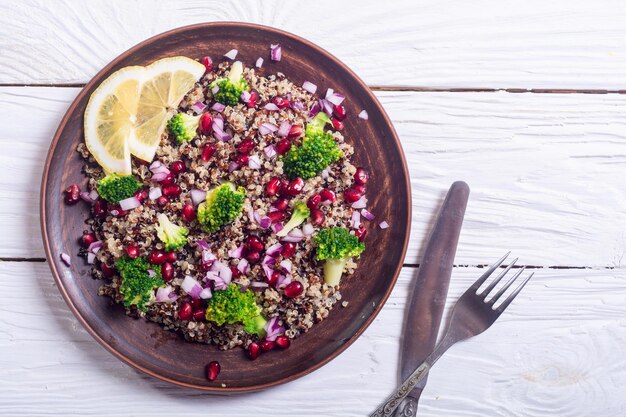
506,286
506,302
488,272
498,278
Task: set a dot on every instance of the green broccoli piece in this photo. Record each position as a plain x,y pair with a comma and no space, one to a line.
183,127
174,236
222,206
299,215
318,150
230,88
139,280
233,306
114,188
336,246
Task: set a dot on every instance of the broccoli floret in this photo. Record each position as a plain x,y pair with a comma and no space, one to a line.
183,127
230,88
299,215
114,188
174,236
222,206
336,246
318,150
139,280
233,306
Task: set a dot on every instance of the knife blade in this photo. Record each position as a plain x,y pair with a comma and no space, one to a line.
429,291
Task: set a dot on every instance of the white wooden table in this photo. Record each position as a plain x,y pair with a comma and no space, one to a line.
521,99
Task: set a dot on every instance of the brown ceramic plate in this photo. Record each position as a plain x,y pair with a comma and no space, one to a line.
165,355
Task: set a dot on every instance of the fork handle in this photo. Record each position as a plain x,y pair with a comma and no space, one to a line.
387,409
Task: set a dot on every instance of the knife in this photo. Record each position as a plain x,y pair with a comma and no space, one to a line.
429,292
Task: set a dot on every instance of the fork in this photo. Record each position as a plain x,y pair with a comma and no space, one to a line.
472,314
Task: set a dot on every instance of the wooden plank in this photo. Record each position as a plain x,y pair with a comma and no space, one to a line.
558,349
545,170
481,44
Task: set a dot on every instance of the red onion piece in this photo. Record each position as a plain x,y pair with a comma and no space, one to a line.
273,250
94,247
205,293
368,216
258,284
242,266
273,329
155,193
316,108
259,62
223,271
218,107
159,177
220,135
383,225
218,282
236,253
86,196
360,203
201,243
363,115
130,203
283,129
325,174
327,106
286,265
191,286
265,222
308,229
277,227
271,107
268,270
198,107
294,238
157,168
197,196
93,194
245,96
297,105
233,166
151,273
283,281
254,162
91,258
329,92
336,98
267,128
270,151
276,52
215,89
231,54
163,294
309,86
355,220
66,259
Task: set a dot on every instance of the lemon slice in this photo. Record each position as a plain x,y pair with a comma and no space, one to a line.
110,119
165,84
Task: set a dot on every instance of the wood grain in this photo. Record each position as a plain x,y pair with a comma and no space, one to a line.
564,44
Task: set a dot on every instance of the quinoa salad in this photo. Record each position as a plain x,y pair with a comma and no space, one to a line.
246,222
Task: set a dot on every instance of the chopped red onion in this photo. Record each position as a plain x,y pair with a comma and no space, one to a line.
258,284
198,107
215,89
202,244
271,107
259,62
159,177
218,122
363,115
275,52
268,260
93,194
308,229
286,265
329,92
294,236
191,286
265,222
273,329
94,247
245,96
236,253
86,196
218,107
383,225
197,196
155,193
309,86
270,151
336,98
91,258
163,294
297,105
208,259
223,271
66,259
360,203
206,293
268,270
273,250
220,135
242,266
315,108
130,203
218,282
151,273
267,128
325,173
233,166
277,227
231,54
157,167
254,162
284,129
327,106
355,220
283,281
368,216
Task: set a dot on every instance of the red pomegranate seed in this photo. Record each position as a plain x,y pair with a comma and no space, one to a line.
188,213
254,350
361,176
132,251
87,239
245,146
267,345
295,187
340,112
254,244
117,211
360,233
213,370
283,342
236,273
185,311
253,257
293,289
196,303
208,63
281,204
161,201
72,194
107,271
167,271
206,123
100,209
141,195
282,187
171,256
288,250
314,201
208,151
328,195
168,180
177,167
241,159
254,98
317,217
337,124
171,190
273,279
359,188
271,188
280,102
156,257
276,216
351,195
295,132
198,314
283,146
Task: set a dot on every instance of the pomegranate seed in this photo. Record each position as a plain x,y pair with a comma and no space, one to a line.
281,204
188,213
317,217
161,201
295,187
254,350
295,132
171,256
252,101
273,279
337,124
236,273
282,342
254,244
280,102
360,233
196,303
208,63
271,188
141,195
245,146
168,180
351,195
267,345
361,176
283,146
177,167
156,257
100,209
206,123
359,188
276,216
208,151
328,195
288,249
314,201
198,314
282,187
340,112
171,190
87,239
293,289
253,257
241,159
167,272
213,370
107,271
72,194
185,312
132,251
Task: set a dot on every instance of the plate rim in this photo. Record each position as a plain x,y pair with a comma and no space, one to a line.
56,273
